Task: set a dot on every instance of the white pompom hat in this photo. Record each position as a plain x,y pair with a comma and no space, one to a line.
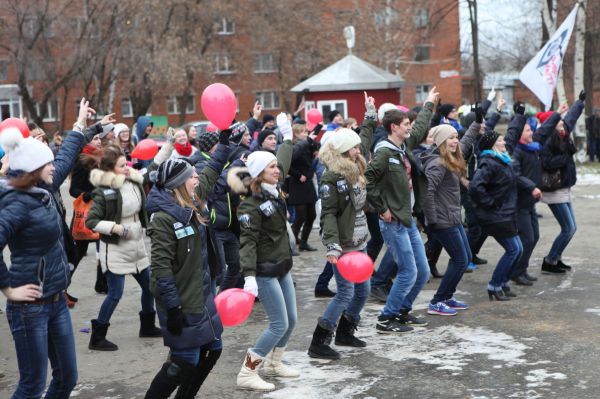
27,154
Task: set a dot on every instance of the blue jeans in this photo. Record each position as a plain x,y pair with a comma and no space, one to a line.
455,242
386,270
228,250
349,299
513,250
43,332
529,233
192,355
116,284
413,271
278,297
566,218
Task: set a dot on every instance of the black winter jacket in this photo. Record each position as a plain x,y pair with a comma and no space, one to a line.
301,193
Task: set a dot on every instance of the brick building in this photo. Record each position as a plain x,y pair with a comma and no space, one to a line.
426,52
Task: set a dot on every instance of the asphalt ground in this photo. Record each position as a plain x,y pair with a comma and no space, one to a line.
543,344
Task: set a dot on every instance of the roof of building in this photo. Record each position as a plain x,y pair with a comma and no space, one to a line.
350,73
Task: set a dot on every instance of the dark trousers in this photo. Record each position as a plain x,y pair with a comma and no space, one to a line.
475,234
305,215
529,233
324,277
227,245
376,242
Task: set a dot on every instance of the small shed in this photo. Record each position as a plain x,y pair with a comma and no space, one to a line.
341,85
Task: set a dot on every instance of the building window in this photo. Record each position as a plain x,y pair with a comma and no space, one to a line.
237,102
32,24
3,69
421,18
227,27
51,114
126,108
268,99
10,108
264,62
422,53
422,92
173,105
327,106
223,64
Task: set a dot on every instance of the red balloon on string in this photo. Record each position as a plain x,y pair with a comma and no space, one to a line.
234,306
356,267
314,117
145,150
219,105
211,127
16,123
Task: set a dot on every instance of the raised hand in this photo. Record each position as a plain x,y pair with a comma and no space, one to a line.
106,119
257,110
85,112
432,96
562,108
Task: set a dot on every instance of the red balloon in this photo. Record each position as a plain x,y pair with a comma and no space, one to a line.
314,117
234,306
211,127
219,105
356,267
145,150
15,122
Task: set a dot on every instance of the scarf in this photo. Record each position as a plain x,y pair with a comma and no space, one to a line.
183,149
89,149
531,147
271,189
503,156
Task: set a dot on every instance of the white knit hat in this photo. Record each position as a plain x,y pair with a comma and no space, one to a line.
24,154
119,127
343,140
383,108
258,161
441,133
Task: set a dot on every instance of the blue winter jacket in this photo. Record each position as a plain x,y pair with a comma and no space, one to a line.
32,227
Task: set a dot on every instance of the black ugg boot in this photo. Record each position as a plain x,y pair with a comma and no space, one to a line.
344,335
305,246
147,327
319,347
101,287
98,341
171,375
189,389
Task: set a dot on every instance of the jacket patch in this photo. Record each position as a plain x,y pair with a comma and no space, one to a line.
394,161
245,221
184,232
267,208
342,186
177,225
109,191
324,191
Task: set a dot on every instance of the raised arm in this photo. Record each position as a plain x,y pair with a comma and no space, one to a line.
421,126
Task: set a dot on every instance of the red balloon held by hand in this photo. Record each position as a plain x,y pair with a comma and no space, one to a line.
234,306
145,150
219,105
17,123
356,267
211,127
314,116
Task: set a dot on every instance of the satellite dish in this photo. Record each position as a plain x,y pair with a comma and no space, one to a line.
349,35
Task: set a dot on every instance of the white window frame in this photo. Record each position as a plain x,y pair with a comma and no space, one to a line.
12,103
237,101
172,101
50,115
308,105
421,92
268,105
421,18
223,60
130,105
259,63
332,103
227,27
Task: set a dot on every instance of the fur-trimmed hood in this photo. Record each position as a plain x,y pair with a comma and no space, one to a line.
352,171
238,179
101,178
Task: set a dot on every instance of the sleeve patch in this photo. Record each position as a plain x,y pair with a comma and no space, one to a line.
245,221
324,191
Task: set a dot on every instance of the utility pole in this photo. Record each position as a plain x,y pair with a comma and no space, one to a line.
475,42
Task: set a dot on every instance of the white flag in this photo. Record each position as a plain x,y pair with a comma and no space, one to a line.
540,75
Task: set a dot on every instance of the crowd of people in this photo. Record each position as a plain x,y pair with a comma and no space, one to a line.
231,209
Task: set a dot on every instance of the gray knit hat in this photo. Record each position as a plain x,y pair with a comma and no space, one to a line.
173,173
106,129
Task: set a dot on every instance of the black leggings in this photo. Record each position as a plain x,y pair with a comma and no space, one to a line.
305,214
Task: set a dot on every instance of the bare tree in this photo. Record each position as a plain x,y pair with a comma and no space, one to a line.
475,43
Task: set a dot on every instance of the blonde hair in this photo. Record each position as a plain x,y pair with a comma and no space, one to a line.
298,129
453,161
184,199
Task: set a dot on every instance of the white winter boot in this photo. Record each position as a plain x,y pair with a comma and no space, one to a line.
274,367
248,377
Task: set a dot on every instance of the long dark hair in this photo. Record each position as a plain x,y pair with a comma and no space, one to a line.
25,181
110,156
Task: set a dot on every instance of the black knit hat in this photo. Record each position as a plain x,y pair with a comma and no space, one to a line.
445,109
333,114
207,140
173,173
487,141
267,118
264,134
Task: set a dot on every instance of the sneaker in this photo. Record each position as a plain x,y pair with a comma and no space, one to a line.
471,268
479,261
441,309
561,265
324,293
407,319
456,304
548,267
378,293
389,325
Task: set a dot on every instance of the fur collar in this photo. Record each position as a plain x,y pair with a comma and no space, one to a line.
353,172
101,178
238,179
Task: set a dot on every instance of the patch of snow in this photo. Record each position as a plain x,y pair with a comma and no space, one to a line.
537,378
